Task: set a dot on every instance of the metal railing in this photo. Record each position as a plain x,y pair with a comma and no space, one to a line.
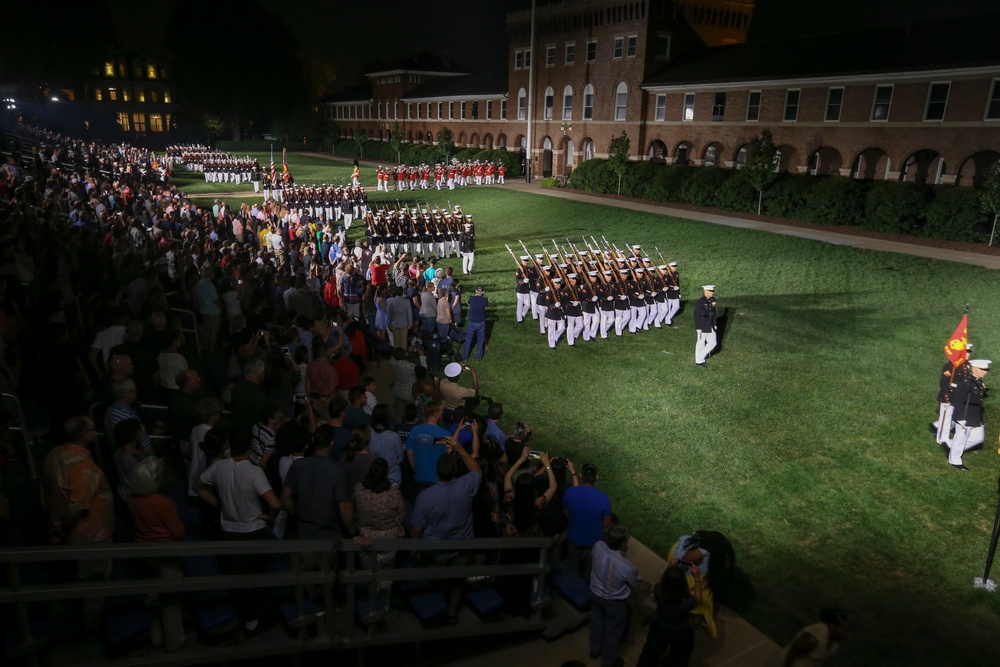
341,577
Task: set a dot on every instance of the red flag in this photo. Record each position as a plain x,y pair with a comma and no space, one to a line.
956,348
284,160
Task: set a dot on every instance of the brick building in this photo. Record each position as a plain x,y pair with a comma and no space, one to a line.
917,102
136,91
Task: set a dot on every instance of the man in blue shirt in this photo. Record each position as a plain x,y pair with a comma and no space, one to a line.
424,447
475,325
612,580
589,512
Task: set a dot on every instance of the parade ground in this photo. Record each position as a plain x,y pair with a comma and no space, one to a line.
805,437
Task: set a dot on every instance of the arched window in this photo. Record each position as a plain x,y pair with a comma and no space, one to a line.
741,158
567,113
522,104
621,100
549,101
588,150
588,102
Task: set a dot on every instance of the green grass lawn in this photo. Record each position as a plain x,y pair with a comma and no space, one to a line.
805,440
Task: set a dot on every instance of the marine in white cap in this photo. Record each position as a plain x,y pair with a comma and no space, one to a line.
705,324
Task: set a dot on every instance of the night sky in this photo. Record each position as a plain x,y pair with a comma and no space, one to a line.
352,33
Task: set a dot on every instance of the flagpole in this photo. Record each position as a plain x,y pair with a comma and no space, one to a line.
985,583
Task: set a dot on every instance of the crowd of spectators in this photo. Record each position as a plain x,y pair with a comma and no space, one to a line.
200,377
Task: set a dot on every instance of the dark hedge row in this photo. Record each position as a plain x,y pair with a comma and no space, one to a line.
939,211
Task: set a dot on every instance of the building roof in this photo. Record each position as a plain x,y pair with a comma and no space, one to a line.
418,62
485,84
354,94
958,43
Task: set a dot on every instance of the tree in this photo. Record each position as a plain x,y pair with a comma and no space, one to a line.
762,164
446,145
360,140
396,138
618,156
990,196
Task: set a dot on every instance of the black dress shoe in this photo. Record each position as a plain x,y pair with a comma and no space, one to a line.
960,467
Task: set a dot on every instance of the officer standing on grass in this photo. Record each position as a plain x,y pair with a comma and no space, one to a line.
705,324
967,401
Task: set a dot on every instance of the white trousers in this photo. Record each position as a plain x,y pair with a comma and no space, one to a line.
468,259
622,318
574,327
673,305
523,305
661,313
541,317
555,330
638,319
533,298
706,343
943,423
607,321
965,437
590,323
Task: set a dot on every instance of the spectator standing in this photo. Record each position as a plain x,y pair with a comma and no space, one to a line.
589,512
612,580
475,326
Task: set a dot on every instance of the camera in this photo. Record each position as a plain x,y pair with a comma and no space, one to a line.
684,566
534,454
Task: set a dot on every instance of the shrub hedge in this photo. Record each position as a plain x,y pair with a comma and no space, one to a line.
942,212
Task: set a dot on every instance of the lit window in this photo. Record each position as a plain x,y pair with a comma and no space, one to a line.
139,122
150,74
834,103
937,100
661,107
688,113
99,95
791,105
621,101
155,122
588,102
123,121
753,106
881,103
140,96
719,108
109,68
125,95
619,47
113,94
166,97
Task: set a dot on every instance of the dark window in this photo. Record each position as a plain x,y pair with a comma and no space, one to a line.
719,107
834,102
753,105
791,105
937,99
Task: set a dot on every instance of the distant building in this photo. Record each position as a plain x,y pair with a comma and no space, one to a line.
137,91
917,103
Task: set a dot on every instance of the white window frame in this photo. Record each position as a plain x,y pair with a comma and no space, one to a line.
888,111
670,42
631,44
527,59
660,110
994,95
586,55
840,106
440,110
618,48
718,118
519,59
927,104
451,111
522,104
760,96
503,109
621,110
569,54
489,109
461,108
687,108
567,109
548,102
798,101
588,109
550,55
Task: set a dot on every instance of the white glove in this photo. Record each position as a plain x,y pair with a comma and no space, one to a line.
557,304
593,298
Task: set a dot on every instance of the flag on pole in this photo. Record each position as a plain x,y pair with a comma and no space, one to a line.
284,160
956,349
273,175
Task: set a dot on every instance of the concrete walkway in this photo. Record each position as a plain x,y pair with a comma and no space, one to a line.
739,644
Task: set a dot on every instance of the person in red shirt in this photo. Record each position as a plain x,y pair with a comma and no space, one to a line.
155,519
501,170
348,374
379,271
